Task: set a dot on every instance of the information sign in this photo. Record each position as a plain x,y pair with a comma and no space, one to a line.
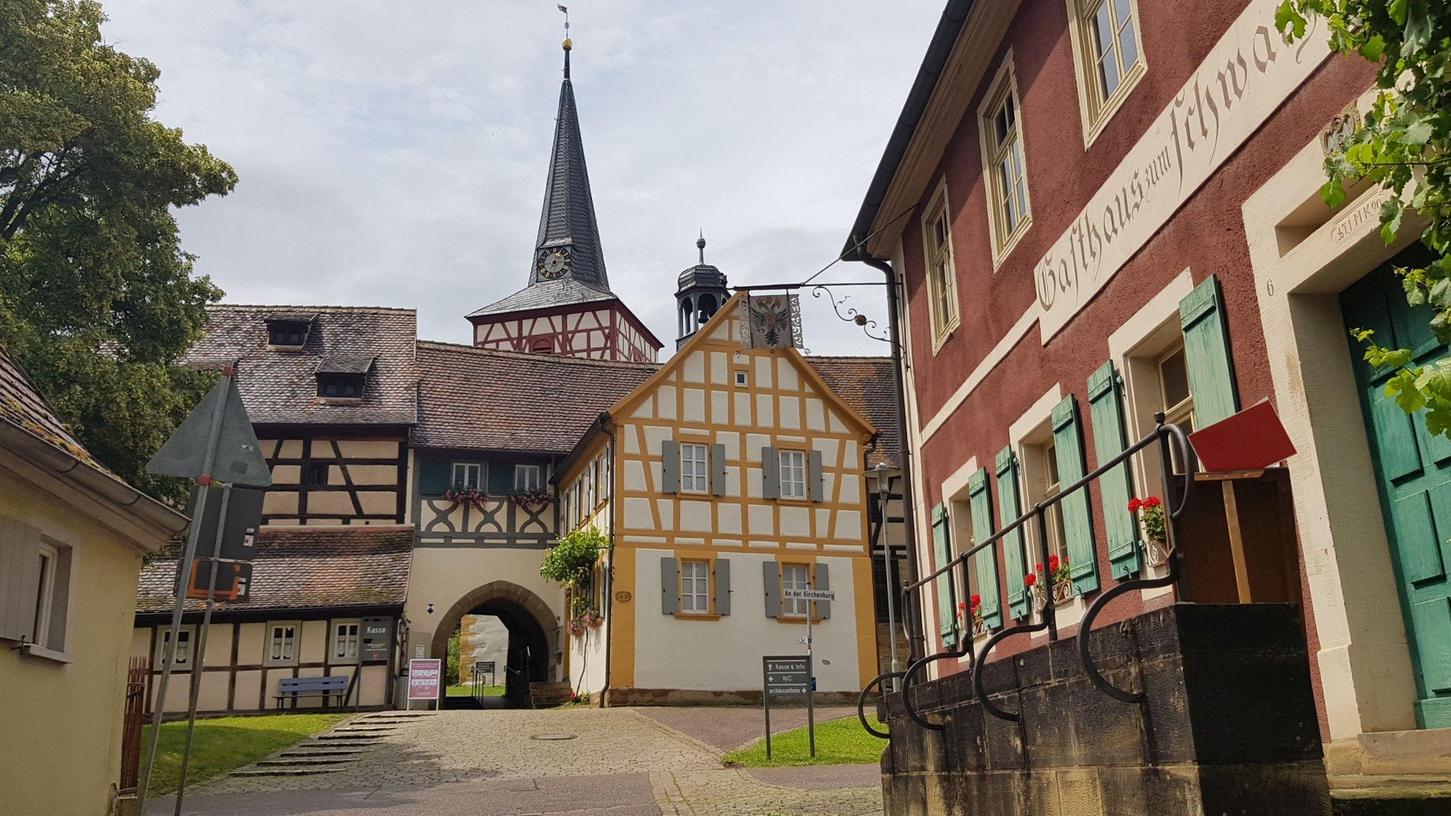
789,676
425,679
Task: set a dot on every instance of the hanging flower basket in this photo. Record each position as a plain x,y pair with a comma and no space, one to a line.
1062,584
530,499
1150,513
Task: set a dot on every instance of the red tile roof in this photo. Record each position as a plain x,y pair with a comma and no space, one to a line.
510,401
865,384
23,406
305,567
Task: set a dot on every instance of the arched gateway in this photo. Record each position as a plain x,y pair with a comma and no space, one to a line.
533,630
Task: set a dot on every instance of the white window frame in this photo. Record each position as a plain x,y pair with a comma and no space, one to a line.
340,639
694,469
940,268
792,476
694,588
269,634
1095,107
795,576
528,477
1004,89
44,596
188,640
467,468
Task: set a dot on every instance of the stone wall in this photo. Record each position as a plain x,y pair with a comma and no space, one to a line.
1228,727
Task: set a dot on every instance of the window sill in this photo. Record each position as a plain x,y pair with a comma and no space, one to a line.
940,338
1095,122
696,616
40,652
340,400
796,620
1001,252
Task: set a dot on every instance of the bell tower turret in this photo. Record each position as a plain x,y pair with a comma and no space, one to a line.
702,290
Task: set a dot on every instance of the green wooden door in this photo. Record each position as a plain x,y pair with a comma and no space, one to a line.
1413,472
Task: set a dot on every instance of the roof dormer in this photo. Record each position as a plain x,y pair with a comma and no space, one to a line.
288,331
342,378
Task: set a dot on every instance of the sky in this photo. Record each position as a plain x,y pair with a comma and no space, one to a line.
395,154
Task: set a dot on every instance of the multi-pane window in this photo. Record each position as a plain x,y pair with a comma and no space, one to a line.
345,641
941,282
1002,139
694,464
793,474
181,658
315,474
528,477
795,576
281,644
1175,400
466,475
340,386
1057,538
695,587
1113,43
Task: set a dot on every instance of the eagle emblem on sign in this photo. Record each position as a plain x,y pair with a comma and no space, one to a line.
772,320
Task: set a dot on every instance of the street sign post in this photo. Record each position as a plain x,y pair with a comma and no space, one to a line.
788,676
804,595
425,680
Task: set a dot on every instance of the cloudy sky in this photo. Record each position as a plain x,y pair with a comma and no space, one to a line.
395,153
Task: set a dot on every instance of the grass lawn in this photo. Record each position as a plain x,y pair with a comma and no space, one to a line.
838,742
465,690
225,743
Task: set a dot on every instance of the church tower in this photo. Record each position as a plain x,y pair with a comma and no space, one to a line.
701,290
567,307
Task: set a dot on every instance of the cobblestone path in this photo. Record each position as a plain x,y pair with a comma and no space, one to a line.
579,760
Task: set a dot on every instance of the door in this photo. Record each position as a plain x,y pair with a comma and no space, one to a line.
1413,473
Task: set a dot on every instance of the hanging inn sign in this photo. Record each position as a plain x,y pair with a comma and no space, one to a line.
773,321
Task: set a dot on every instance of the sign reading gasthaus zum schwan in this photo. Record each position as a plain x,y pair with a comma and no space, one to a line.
1247,75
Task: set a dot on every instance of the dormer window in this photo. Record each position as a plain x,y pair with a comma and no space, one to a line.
288,331
343,377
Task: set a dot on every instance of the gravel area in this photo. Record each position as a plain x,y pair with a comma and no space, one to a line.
730,728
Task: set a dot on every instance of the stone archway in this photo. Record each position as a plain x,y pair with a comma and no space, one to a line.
533,626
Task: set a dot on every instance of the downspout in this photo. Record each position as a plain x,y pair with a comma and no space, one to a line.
915,634
609,560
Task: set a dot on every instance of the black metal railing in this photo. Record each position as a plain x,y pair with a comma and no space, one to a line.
1168,436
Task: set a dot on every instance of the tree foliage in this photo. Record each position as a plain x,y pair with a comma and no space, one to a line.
97,299
1402,143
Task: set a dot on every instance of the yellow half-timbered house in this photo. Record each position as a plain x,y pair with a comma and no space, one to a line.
730,475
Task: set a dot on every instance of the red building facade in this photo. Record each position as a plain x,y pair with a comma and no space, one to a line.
1102,210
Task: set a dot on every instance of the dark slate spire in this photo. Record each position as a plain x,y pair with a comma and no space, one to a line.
568,245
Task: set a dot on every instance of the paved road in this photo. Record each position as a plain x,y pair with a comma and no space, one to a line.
617,762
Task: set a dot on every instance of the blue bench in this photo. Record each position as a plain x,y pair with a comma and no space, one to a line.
325,687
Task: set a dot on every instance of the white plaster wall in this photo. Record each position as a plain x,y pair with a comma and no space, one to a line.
725,654
443,575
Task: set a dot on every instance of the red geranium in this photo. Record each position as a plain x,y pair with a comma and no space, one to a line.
1030,579
1052,563
1152,501
1134,504
976,601
962,606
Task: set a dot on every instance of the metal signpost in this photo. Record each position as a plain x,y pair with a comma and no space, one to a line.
425,680
486,667
788,676
214,446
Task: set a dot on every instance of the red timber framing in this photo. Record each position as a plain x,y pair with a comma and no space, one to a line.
599,330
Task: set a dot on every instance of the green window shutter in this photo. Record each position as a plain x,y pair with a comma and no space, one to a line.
722,586
500,478
669,585
770,473
1077,515
669,466
946,596
821,579
985,563
1116,487
434,475
1206,354
1010,506
771,582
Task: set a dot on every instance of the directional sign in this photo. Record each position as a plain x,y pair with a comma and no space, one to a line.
238,458
788,676
808,594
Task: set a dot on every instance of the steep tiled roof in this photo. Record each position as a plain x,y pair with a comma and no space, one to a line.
305,567
562,292
23,406
510,401
865,384
280,387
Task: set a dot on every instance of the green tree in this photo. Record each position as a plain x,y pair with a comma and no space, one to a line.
1403,143
97,299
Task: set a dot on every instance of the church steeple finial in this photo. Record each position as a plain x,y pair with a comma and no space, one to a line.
700,245
568,43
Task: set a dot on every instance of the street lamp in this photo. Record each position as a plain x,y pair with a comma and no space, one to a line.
884,492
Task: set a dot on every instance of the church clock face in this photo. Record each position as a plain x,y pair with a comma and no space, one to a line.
554,264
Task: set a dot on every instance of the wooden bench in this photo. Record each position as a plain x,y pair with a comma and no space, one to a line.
325,687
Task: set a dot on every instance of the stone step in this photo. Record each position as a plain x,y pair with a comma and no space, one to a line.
1425,799
323,751
304,761
336,735
365,729
289,771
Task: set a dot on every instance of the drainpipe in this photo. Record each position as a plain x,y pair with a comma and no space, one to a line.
918,644
604,421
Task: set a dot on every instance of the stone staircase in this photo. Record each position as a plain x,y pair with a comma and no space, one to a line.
548,695
331,750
